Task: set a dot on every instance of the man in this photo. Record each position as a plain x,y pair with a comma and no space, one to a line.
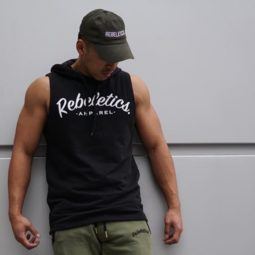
87,109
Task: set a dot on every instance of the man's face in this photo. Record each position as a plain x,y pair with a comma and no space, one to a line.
96,67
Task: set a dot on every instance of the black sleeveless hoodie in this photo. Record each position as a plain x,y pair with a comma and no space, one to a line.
90,170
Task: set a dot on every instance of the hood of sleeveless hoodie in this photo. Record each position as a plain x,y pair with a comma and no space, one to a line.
64,69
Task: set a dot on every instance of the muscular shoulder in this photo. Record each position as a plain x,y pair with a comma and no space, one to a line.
141,91
38,93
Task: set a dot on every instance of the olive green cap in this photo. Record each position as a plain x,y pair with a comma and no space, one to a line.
106,31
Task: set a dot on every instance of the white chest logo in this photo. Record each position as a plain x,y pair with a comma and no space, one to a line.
65,106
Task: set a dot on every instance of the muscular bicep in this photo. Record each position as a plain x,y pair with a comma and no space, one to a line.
31,119
147,121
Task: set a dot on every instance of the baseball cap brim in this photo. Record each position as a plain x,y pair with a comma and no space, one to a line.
114,53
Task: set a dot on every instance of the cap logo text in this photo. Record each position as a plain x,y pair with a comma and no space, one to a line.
114,34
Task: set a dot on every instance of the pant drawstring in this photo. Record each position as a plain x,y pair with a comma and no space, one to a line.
105,230
96,228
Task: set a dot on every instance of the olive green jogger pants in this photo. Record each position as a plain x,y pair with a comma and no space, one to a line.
106,238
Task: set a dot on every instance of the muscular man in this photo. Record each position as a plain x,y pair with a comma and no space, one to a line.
87,109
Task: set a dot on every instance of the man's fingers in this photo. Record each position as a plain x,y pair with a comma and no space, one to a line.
174,234
31,237
33,231
170,234
167,229
22,238
173,239
24,232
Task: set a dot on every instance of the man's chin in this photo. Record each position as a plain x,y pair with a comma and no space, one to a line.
102,77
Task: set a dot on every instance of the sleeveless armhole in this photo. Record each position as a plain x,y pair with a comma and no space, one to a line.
50,104
132,96
51,94
131,91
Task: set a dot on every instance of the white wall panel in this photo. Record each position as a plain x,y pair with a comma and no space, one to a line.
197,58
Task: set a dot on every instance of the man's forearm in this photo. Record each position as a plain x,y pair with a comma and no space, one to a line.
18,181
164,171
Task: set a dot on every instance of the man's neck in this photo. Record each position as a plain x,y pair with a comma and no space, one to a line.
76,66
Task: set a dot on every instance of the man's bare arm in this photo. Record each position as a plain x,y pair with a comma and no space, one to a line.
150,131
28,132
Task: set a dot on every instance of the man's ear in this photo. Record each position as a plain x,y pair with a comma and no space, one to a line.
81,47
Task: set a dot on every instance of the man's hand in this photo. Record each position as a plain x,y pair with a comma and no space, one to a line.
24,232
173,226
